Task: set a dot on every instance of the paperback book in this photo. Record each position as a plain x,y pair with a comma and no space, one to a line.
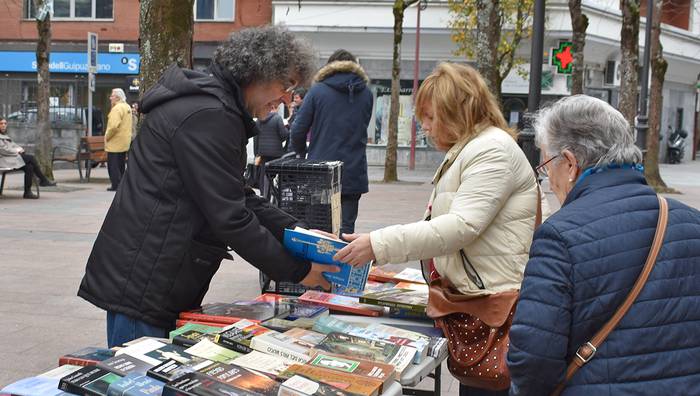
89,381
310,337
341,303
298,385
239,335
229,313
86,356
125,364
278,344
399,356
172,369
343,380
241,378
263,363
136,385
198,384
45,384
154,352
414,300
366,368
209,350
192,333
405,275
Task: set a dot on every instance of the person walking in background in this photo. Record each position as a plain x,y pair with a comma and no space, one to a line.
183,200
135,117
297,101
12,156
585,259
268,145
117,137
482,211
337,109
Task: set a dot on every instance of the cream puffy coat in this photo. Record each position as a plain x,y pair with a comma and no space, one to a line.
485,202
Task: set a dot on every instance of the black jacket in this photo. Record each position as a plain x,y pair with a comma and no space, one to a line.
271,136
337,110
181,202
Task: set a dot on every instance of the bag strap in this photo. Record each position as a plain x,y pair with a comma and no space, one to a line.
586,351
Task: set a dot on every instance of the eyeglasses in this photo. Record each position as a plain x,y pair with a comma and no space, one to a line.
542,169
292,87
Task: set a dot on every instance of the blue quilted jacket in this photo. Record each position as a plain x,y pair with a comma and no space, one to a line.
583,263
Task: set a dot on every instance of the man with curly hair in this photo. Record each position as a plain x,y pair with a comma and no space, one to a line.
183,200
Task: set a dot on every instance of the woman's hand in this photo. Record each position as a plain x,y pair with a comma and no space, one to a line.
315,276
358,252
325,234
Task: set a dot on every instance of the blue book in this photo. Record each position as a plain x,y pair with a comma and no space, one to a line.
135,384
310,246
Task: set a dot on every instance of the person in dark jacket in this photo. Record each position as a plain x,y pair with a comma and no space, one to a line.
585,258
337,110
183,200
269,144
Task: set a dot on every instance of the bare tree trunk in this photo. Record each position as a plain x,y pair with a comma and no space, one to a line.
658,71
390,162
579,24
629,87
43,91
488,36
165,28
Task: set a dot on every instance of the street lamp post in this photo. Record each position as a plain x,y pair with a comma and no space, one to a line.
527,135
642,113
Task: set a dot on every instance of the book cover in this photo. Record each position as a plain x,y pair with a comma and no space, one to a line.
399,356
263,363
125,364
89,380
172,369
380,371
241,378
400,313
414,300
135,385
298,385
341,303
45,384
154,352
385,275
86,356
310,337
238,335
144,338
191,333
209,350
230,313
318,248
279,344
182,322
197,384
343,380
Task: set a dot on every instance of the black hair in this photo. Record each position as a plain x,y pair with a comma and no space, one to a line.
342,55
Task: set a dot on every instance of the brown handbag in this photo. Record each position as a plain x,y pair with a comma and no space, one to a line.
477,328
586,351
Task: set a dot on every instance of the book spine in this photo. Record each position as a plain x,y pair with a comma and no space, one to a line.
231,344
210,318
272,349
181,322
70,387
76,361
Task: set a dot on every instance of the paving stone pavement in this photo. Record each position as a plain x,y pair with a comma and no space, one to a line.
44,245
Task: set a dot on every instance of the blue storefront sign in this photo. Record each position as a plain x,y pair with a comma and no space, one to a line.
70,62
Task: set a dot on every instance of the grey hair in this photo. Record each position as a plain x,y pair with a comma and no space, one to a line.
590,128
120,94
268,53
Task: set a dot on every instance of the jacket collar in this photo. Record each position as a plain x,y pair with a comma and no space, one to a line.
612,177
234,101
340,67
4,136
454,151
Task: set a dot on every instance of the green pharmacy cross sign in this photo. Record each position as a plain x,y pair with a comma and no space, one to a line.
563,57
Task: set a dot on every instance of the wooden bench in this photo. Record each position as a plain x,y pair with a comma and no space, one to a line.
5,171
91,150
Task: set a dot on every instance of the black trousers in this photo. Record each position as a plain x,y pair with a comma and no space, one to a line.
31,168
349,204
116,165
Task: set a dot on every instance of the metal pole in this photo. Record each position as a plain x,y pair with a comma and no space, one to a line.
527,135
642,113
89,117
416,70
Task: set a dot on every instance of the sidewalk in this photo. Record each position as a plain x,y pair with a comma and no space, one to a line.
45,244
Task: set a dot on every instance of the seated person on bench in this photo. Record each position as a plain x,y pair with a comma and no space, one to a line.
12,156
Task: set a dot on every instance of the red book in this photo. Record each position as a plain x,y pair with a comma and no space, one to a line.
182,322
230,313
86,356
341,303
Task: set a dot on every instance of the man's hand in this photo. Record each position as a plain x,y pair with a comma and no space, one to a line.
315,276
258,160
326,234
358,252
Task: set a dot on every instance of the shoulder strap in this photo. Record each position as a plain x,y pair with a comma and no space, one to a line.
586,351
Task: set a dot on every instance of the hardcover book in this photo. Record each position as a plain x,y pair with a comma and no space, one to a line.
192,333
154,352
279,344
414,300
380,371
399,356
238,335
343,380
211,351
125,364
263,363
197,384
298,385
230,313
135,385
88,381
86,356
341,303
320,249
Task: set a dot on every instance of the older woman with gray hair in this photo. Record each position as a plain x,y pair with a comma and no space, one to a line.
585,259
183,200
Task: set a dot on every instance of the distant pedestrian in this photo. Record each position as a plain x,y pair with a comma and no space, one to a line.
12,156
268,144
337,110
295,105
117,137
585,259
135,117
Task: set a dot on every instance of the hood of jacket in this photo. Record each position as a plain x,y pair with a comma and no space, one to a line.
344,76
177,82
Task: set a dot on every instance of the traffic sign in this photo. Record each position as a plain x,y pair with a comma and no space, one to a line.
92,52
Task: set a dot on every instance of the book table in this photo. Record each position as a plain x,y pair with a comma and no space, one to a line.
414,374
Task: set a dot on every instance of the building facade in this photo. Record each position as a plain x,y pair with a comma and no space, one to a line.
366,29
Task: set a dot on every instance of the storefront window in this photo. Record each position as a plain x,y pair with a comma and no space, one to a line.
378,129
81,9
214,10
